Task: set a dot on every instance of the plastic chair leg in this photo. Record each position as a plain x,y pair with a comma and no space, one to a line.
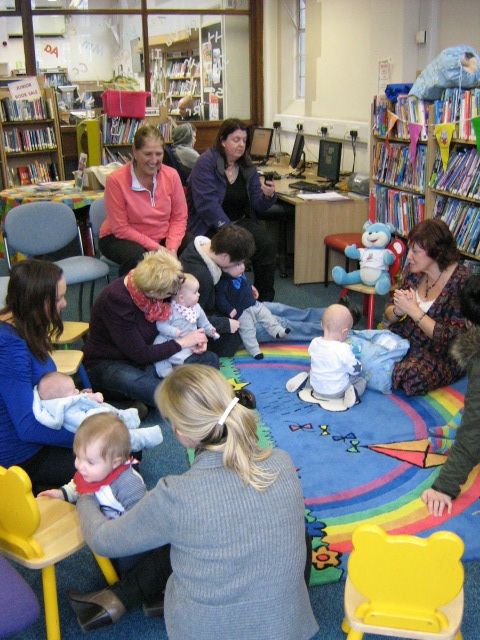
50,600
106,567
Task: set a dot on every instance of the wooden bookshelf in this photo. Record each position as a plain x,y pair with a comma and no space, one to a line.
31,146
452,195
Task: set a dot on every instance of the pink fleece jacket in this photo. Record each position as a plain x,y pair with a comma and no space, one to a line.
135,215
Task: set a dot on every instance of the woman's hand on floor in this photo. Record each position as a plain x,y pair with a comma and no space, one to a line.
436,502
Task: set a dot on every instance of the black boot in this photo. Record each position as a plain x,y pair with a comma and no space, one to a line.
96,610
246,398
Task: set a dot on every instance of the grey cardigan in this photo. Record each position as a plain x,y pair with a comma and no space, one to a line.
238,556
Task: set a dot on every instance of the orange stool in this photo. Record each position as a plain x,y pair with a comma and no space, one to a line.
339,242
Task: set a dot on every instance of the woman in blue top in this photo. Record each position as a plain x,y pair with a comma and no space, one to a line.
29,323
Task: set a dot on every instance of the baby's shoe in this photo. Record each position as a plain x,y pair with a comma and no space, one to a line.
259,356
296,382
283,332
350,397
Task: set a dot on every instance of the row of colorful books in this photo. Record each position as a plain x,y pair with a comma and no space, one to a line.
462,176
393,165
459,106
402,209
21,110
33,173
18,140
119,130
408,109
182,69
110,155
463,220
184,87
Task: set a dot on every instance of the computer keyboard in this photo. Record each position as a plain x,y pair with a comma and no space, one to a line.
310,187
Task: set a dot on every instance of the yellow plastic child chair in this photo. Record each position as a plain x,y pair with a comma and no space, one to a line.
39,532
404,586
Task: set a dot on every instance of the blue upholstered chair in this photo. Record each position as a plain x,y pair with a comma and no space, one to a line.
96,215
43,227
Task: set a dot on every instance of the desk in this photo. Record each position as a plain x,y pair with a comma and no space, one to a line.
73,198
314,220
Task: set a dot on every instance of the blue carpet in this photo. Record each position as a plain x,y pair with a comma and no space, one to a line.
348,477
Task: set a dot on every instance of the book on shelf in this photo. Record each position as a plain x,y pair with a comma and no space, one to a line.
24,175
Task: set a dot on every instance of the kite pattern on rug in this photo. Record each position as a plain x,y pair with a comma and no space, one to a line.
370,463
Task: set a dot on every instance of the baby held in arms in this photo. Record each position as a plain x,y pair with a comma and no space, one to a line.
57,402
186,316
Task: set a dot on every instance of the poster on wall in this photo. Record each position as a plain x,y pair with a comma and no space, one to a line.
212,71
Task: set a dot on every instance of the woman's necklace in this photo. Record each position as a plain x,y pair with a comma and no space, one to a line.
231,172
428,286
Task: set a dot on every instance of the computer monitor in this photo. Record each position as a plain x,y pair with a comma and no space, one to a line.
329,159
261,144
297,151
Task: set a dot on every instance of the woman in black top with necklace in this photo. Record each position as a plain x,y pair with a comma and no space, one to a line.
224,187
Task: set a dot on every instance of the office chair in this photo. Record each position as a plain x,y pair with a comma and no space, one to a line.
404,586
96,215
39,532
40,228
369,293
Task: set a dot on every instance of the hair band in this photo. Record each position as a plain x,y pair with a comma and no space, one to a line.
227,411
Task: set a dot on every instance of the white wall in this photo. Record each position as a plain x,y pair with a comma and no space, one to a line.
345,41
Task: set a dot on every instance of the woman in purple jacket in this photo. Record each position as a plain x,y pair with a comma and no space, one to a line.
223,188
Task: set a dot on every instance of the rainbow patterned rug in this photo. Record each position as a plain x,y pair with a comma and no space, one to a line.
370,463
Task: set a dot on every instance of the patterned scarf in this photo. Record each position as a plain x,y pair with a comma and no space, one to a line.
188,313
153,309
82,486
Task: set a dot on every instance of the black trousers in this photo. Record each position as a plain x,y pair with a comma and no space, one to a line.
263,260
125,253
128,254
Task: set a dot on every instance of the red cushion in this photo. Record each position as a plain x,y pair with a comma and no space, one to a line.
340,241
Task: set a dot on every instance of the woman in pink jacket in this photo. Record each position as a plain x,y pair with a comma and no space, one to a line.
145,204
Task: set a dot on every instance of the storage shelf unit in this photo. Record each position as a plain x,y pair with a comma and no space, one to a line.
404,193
31,149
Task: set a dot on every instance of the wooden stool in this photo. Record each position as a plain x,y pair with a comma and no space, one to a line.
339,242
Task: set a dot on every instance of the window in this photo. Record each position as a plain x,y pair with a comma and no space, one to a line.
301,48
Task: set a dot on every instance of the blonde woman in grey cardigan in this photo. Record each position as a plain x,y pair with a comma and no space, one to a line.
234,520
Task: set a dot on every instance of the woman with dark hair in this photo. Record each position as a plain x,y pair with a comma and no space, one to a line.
426,309
223,188
29,323
145,204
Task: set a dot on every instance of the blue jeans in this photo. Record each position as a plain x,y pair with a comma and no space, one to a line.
305,324
120,379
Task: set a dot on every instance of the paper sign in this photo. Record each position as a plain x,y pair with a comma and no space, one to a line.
26,89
